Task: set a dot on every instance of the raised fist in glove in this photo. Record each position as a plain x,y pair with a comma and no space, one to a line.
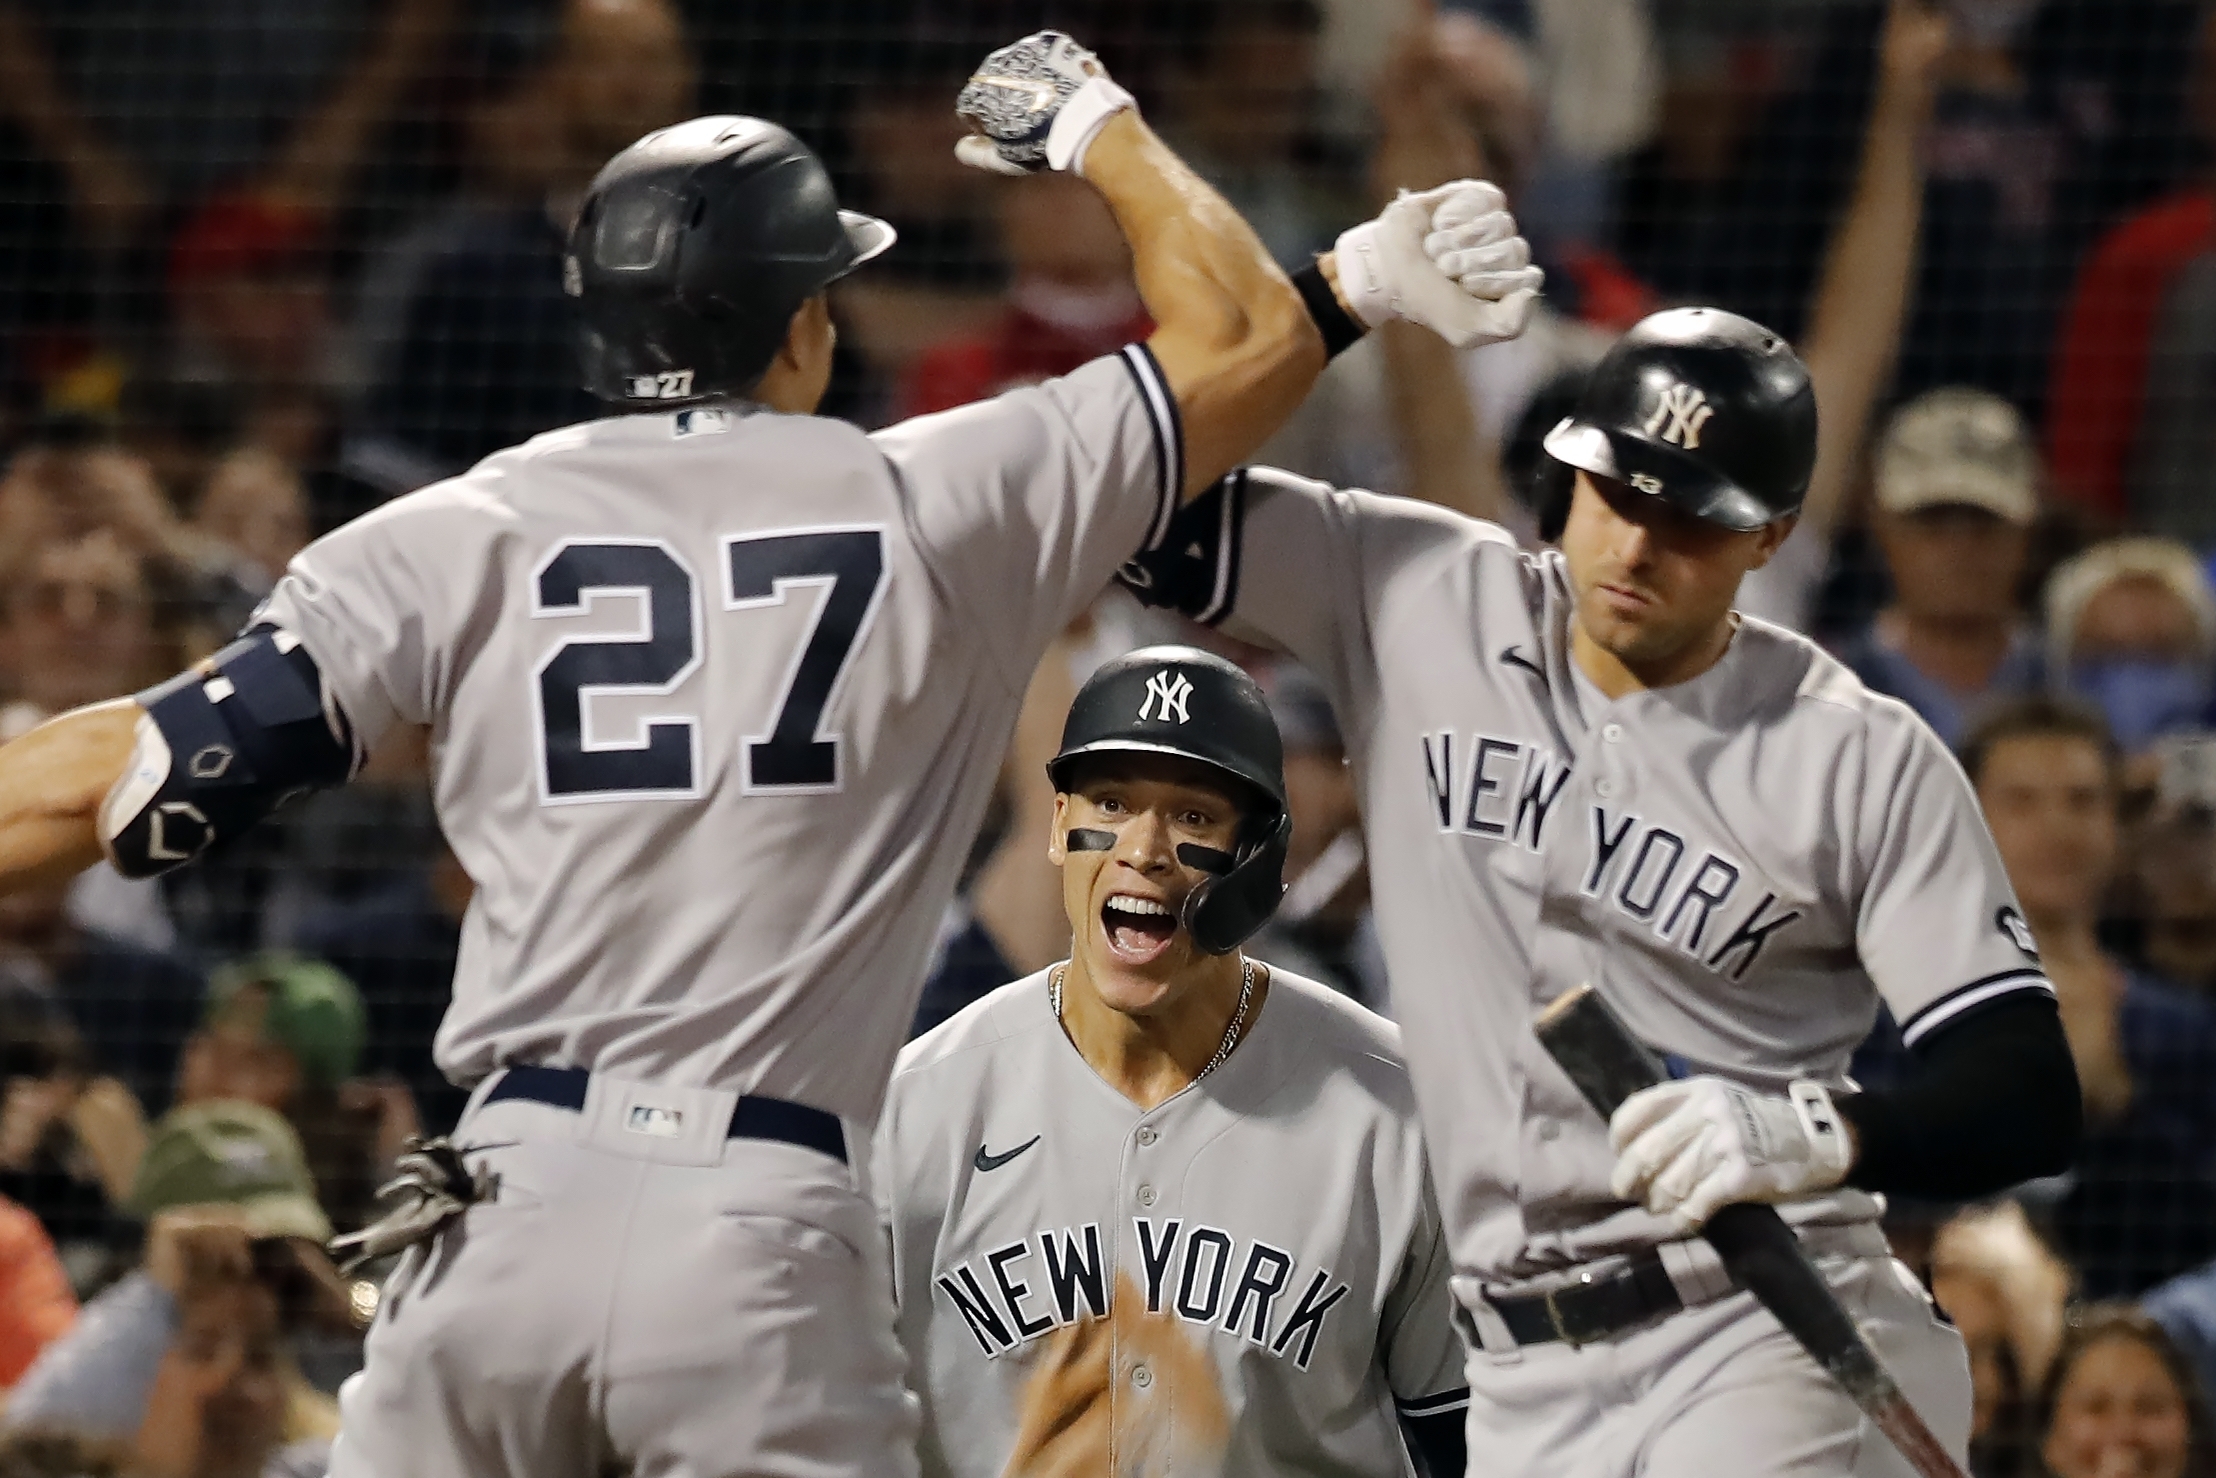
1688,1148
1036,105
1447,258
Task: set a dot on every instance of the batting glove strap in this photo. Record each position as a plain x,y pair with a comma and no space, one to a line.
1447,258
1685,1149
1037,104
1830,1151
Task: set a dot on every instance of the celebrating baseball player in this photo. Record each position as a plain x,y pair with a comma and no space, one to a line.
1160,1208
1583,766
717,691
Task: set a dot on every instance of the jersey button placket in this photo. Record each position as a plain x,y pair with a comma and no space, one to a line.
1606,785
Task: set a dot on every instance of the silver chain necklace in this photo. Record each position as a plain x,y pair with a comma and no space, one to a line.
1230,1033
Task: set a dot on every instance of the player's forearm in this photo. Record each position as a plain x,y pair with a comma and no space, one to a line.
1861,300
52,781
1232,336
1994,1102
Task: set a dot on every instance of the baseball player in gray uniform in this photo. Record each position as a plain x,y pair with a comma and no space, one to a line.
1162,1208
1582,766
717,690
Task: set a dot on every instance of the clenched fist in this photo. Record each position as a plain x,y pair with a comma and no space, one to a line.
1036,105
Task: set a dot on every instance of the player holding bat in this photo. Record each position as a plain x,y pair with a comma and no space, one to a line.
1585,766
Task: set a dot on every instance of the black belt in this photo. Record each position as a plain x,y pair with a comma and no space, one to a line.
1595,1308
751,1117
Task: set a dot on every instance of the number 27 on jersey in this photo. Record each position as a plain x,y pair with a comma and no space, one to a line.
661,760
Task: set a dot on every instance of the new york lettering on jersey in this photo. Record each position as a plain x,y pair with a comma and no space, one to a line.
1703,900
1745,864
1259,1252
1205,1275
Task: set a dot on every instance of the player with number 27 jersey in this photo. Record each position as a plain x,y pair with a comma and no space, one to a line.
703,640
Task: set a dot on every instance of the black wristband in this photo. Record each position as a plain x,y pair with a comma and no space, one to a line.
1338,327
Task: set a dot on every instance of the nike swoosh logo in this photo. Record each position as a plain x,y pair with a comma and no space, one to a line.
1514,657
987,1161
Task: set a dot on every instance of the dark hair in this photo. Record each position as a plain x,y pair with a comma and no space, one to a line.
2097,1324
2038,716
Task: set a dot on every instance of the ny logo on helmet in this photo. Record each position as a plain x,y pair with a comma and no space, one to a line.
1172,690
1678,416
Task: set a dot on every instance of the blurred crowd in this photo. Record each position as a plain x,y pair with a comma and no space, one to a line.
266,266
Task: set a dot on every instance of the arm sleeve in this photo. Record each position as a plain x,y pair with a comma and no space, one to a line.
1299,565
1992,1101
97,1378
375,603
1026,504
1938,928
1437,1442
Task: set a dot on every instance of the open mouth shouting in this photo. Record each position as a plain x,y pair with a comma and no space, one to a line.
1138,929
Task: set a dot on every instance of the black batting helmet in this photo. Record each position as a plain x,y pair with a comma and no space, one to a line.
694,249
1707,410
1189,703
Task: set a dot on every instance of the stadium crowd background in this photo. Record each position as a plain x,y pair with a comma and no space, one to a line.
265,264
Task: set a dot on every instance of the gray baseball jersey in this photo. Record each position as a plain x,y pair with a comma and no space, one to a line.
1244,1280
717,697
1743,864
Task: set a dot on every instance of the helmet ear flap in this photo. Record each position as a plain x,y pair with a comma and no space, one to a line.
1223,912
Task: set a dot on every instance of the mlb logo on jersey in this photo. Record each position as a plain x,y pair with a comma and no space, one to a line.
662,1123
1173,690
707,422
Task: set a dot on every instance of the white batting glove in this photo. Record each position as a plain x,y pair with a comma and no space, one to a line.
1690,1147
1449,259
1036,105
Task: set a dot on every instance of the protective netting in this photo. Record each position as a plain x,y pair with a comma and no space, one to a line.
265,264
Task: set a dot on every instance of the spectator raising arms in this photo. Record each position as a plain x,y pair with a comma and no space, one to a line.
477,350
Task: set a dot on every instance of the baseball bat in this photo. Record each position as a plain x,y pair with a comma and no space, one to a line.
1608,1064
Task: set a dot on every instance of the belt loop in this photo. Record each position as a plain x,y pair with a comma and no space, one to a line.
1481,1324
1695,1270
